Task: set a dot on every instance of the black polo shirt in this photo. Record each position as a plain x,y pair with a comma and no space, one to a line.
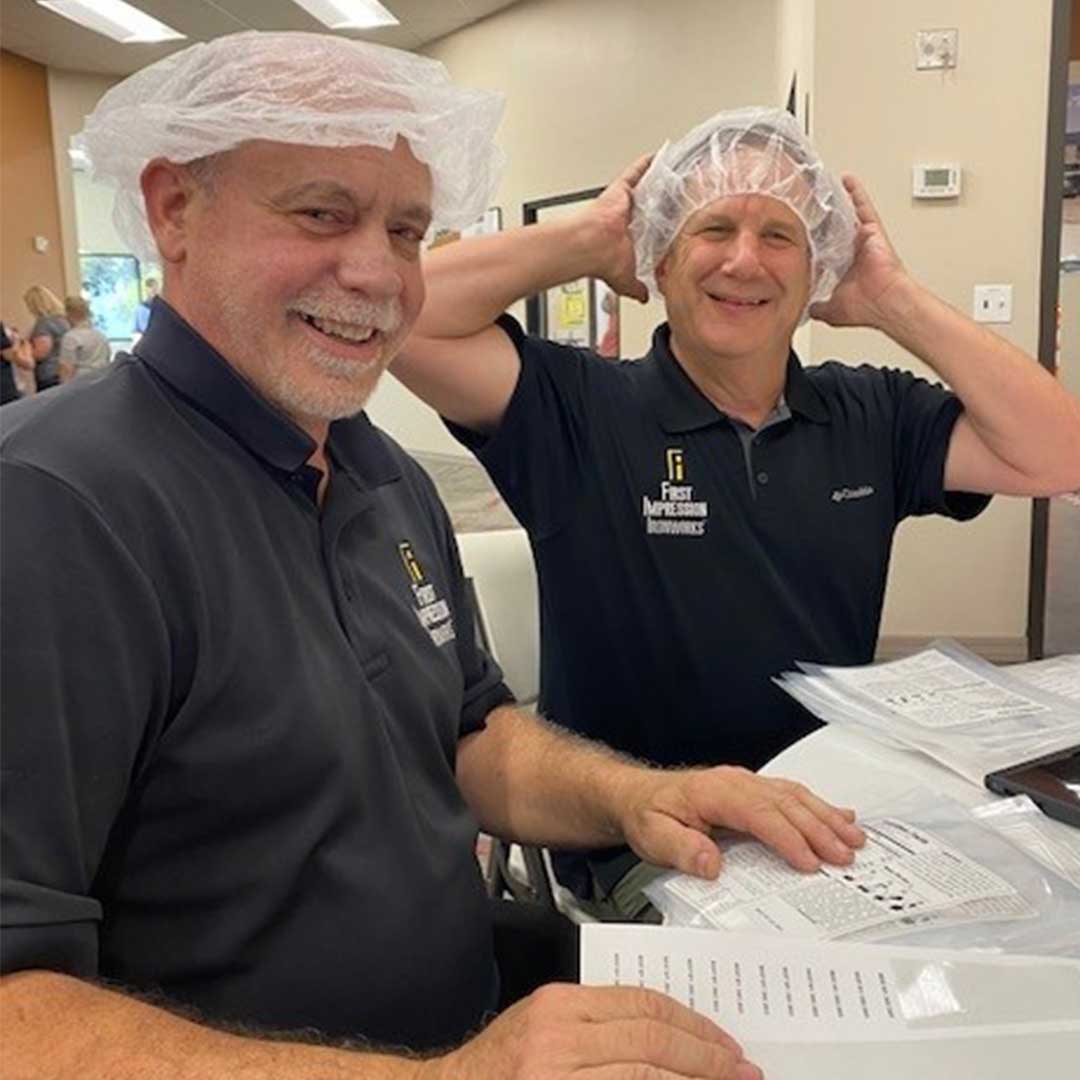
230,719
683,561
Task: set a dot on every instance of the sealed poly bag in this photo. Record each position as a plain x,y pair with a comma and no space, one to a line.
930,874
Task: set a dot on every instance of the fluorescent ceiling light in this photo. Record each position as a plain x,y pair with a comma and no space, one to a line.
349,14
114,19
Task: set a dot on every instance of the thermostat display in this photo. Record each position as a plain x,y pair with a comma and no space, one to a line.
936,181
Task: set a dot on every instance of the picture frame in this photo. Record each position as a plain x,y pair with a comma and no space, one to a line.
490,221
583,313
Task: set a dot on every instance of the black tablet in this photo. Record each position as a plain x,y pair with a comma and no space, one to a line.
1053,782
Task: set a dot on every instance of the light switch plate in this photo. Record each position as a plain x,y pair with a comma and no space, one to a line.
993,303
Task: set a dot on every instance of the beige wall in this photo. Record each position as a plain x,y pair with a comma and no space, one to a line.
874,114
28,206
72,95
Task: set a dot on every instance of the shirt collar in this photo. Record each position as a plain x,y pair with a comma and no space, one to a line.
193,368
681,406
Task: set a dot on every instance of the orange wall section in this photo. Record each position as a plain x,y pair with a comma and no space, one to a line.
29,205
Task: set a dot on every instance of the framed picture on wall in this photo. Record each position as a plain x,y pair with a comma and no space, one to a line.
585,312
490,221
112,285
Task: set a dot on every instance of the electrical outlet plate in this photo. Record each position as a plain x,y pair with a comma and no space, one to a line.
993,303
936,49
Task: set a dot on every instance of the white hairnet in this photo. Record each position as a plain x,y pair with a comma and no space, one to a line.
744,151
312,89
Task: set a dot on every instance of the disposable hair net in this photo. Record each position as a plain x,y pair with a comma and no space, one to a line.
744,151
311,89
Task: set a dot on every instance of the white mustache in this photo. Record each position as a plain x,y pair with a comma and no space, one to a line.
384,315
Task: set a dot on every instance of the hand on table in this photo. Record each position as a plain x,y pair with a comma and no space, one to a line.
595,1033
669,816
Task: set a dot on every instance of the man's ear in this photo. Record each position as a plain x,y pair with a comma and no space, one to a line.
168,191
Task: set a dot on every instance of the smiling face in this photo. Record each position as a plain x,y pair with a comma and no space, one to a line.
736,281
301,266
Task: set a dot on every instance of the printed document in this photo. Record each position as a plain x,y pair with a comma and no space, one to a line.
763,989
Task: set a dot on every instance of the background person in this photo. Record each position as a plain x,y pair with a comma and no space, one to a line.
83,348
144,308
46,333
14,353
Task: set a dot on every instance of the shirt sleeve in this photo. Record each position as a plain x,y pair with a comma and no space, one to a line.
925,415
535,455
82,677
42,327
69,349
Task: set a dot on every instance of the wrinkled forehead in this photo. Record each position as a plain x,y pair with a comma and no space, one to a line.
749,206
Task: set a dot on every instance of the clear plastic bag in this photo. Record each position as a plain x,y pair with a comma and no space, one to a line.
935,873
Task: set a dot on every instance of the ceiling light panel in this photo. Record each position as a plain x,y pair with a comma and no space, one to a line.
115,19
349,14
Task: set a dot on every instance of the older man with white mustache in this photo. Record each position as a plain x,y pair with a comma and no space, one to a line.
248,736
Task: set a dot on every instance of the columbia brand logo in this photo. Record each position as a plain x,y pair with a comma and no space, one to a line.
843,494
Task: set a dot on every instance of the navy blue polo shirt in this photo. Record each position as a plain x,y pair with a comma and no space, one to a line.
230,717
683,561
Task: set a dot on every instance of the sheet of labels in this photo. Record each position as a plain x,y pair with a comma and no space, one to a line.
902,873
766,989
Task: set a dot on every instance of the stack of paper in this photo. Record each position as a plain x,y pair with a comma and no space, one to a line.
949,704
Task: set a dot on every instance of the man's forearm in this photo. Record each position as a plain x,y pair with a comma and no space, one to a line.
1015,407
529,781
58,1026
471,283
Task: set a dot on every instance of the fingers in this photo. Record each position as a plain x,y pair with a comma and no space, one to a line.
741,1070
683,847
865,210
805,829
604,1004
636,170
651,1042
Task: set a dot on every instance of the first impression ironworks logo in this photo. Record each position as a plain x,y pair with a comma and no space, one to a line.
432,612
676,512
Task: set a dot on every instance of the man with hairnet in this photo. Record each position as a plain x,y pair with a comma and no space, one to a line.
705,517
248,735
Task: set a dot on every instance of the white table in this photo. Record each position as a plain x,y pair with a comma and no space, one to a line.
850,770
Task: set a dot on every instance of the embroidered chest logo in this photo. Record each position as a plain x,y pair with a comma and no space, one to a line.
676,512
845,493
432,612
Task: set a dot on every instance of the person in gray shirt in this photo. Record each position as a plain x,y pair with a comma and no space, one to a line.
83,348
49,327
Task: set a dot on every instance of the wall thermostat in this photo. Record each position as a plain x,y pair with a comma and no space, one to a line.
936,181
